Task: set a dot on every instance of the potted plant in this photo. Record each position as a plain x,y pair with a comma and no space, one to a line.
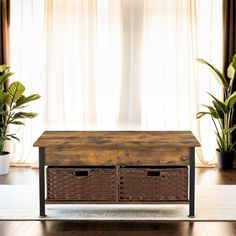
221,113
12,103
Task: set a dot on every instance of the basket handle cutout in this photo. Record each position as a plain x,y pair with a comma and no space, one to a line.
153,173
81,173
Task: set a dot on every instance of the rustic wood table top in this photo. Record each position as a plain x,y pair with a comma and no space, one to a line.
113,139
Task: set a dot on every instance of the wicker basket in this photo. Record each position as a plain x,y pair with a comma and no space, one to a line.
81,184
150,184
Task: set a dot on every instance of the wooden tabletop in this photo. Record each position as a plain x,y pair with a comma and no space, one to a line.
116,139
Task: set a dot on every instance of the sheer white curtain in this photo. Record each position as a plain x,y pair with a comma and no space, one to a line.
27,63
83,63
112,64
174,86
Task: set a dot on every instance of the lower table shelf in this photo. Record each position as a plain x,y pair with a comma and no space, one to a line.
104,202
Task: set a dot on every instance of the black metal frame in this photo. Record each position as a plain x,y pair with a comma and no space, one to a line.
191,182
41,183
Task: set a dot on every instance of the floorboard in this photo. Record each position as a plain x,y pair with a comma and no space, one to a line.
66,228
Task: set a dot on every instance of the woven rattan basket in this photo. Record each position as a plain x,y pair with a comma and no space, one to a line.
150,184
81,184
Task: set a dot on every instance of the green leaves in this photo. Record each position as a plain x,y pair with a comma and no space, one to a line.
221,79
13,100
231,71
4,68
4,97
3,78
202,113
23,115
219,110
231,100
17,122
222,111
15,91
234,61
229,130
23,100
12,136
212,112
220,104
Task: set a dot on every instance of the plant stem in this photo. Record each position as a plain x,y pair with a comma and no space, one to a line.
218,134
225,135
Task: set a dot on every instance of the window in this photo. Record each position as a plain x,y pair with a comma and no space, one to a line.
116,64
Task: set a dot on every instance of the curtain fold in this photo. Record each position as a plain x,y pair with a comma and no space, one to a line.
4,29
27,60
130,110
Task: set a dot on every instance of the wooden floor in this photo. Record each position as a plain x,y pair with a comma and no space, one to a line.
65,228
204,176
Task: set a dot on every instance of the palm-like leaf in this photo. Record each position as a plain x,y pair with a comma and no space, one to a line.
221,112
231,72
210,108
218,109
229,130
220,104
221,79
231,100
234,62
203,113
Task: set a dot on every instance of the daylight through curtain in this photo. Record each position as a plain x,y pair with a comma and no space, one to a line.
111,65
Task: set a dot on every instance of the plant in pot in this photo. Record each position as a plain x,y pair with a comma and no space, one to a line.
12,103
221,113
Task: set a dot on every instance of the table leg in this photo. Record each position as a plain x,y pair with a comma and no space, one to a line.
41,183
192,184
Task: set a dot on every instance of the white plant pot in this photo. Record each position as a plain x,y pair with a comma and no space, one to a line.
4,163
